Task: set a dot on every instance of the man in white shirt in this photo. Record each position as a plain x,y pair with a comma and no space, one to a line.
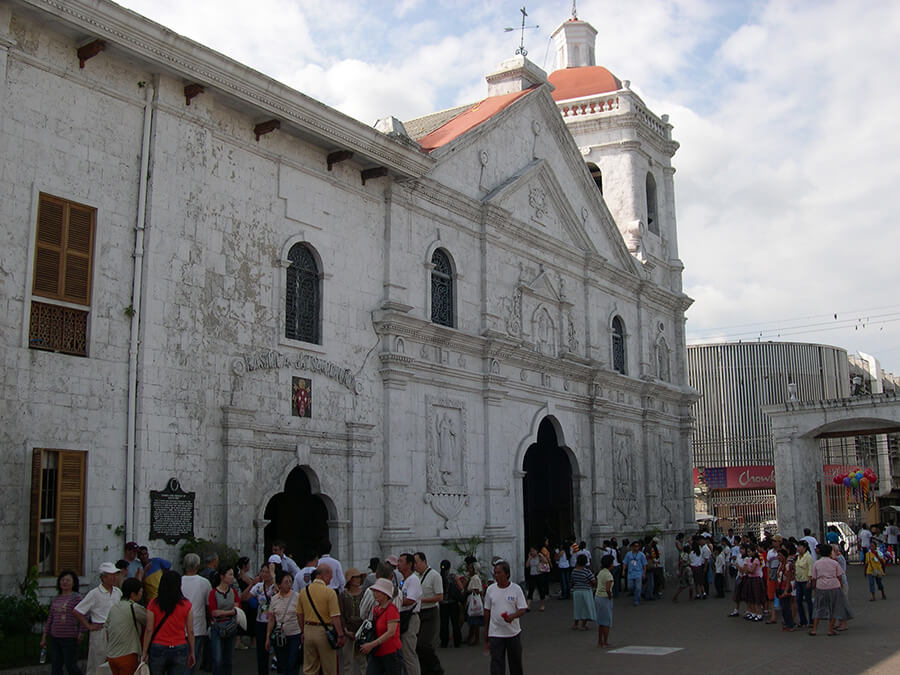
864,538
429,616
412,602
196,589
287,563
96,605
305,575
812,541
504,603
337,572
891,533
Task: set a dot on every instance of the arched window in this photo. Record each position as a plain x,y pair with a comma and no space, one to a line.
652,217
596,175
442,289
303,306
618,345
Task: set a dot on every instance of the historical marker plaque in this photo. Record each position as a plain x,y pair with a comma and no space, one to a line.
171,513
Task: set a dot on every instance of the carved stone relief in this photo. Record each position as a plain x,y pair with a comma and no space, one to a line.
446,422
544,332
537,199
625,476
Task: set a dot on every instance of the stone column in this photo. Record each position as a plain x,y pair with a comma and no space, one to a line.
798,473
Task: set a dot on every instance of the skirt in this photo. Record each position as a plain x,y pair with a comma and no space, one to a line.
831,604
583,605
685,578
603,608
697,573
753,590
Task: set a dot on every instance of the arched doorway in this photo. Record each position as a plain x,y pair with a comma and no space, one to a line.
298,517
547,488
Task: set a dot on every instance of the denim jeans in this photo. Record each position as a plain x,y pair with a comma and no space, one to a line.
62,652
648,588
221,650
873,580
164,660
565,581
786,613
289,655
804,603
634,585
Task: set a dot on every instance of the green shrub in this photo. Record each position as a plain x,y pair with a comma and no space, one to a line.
227,555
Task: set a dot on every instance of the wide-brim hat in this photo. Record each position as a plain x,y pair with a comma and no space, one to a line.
240,617
352,572
392,560
384,586
108,568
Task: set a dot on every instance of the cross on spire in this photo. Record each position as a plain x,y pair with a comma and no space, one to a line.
521,50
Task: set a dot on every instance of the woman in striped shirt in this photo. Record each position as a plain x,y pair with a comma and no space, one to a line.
583,583
62,625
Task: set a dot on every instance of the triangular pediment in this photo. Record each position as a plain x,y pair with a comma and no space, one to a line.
524,162
537,199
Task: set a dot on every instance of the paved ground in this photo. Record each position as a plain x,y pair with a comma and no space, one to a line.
709,642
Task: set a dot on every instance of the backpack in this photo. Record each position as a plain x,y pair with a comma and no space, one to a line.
452,589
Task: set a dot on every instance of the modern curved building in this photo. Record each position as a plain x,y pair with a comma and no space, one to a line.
733,450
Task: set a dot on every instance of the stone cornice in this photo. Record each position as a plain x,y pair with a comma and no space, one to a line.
150,42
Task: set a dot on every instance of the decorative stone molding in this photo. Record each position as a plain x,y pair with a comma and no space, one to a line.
448,506
269,359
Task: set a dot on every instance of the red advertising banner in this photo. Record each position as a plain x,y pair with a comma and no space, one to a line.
747,477
759,477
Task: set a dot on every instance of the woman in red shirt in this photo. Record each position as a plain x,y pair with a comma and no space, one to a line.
169,637
384,651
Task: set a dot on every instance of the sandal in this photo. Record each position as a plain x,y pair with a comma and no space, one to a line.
811,633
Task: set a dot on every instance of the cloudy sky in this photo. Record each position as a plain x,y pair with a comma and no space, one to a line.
786,113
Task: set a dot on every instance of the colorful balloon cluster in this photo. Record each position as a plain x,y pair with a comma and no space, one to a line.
858,482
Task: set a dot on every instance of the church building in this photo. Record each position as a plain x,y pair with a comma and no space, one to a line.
235,313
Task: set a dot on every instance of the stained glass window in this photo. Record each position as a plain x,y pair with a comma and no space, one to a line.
302,299
441,289
618,345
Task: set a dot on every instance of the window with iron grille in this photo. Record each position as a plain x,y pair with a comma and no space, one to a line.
442,289
303,307
618,345
64,244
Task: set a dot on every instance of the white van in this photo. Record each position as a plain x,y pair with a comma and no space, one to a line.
848,537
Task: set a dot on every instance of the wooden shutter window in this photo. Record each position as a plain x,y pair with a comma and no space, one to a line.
34,522
65,237
70,512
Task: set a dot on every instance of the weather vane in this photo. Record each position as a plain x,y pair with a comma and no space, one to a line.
521,50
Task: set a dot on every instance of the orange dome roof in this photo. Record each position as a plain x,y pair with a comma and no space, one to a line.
583,81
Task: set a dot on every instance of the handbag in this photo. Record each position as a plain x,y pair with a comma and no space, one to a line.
474,606
278,637
405,618
229,628
366,632
330,633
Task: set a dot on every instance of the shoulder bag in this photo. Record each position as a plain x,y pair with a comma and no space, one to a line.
229,627
330,633
278,637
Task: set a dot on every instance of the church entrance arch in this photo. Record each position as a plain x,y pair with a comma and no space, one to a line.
547,488
298,516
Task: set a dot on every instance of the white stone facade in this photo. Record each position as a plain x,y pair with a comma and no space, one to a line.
419,431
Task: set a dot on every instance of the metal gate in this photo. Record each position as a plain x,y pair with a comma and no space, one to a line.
747,511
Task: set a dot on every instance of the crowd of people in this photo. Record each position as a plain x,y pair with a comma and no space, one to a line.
318,617
393,617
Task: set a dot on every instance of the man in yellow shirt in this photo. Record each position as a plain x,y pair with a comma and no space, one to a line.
317,653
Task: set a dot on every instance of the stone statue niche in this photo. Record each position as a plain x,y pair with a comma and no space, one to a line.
446,446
